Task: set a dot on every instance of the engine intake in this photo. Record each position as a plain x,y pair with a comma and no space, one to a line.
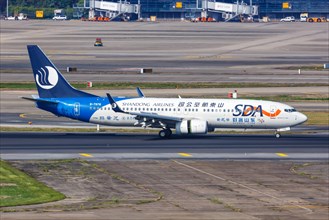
193,126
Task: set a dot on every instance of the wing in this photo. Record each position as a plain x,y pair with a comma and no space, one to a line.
146,119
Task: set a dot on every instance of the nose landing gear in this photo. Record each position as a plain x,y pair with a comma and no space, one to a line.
277,135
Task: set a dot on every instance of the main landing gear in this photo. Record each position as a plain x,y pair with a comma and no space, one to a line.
165,133
277,135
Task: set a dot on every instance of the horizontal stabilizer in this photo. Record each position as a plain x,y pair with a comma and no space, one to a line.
40,100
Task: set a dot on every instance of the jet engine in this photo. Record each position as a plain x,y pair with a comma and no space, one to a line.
193,126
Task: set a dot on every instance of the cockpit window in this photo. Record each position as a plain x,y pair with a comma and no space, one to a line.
290,110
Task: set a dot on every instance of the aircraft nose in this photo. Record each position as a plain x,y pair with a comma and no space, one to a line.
302,118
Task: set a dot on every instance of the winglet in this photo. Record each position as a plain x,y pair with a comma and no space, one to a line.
114,105
140,93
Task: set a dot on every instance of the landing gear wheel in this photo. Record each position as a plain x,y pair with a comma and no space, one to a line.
162,133
165,133
277,135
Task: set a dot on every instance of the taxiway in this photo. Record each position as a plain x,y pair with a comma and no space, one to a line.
140,146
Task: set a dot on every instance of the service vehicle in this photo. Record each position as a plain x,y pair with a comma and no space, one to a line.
288,19
304,17
60,17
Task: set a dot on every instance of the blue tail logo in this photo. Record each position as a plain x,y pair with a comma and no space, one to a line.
49,80
46,77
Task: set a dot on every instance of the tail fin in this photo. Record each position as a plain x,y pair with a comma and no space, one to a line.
50,82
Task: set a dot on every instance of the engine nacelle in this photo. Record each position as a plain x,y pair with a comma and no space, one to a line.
193,126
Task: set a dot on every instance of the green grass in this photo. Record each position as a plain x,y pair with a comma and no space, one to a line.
158,85
317,118
17,188
314,67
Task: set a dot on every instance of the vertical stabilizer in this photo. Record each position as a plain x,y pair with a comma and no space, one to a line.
49,80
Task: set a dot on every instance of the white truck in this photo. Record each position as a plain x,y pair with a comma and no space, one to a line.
20,17
304,17
59,17
59,14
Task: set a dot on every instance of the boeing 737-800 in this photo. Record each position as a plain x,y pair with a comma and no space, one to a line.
185,115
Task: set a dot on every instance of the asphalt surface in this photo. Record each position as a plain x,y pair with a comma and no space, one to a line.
140,146
177,51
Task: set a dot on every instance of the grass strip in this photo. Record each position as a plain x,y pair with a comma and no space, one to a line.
317,118
158,85
315,67
18,188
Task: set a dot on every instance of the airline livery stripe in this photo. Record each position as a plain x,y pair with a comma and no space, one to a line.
268,114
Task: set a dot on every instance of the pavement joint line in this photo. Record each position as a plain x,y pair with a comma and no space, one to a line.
309,211
86,155
282,155
185,154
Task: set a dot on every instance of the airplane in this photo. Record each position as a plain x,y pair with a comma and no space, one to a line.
188,116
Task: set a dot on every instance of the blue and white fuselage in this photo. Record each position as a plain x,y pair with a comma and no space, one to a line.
186,116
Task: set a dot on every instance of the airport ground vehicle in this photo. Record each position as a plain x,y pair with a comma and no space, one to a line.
203,19
19,17
98,42
317,19
11,18
288,19
188,116
60,17
304,17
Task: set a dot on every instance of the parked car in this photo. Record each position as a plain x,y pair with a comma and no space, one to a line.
288,19
11,18
59,17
